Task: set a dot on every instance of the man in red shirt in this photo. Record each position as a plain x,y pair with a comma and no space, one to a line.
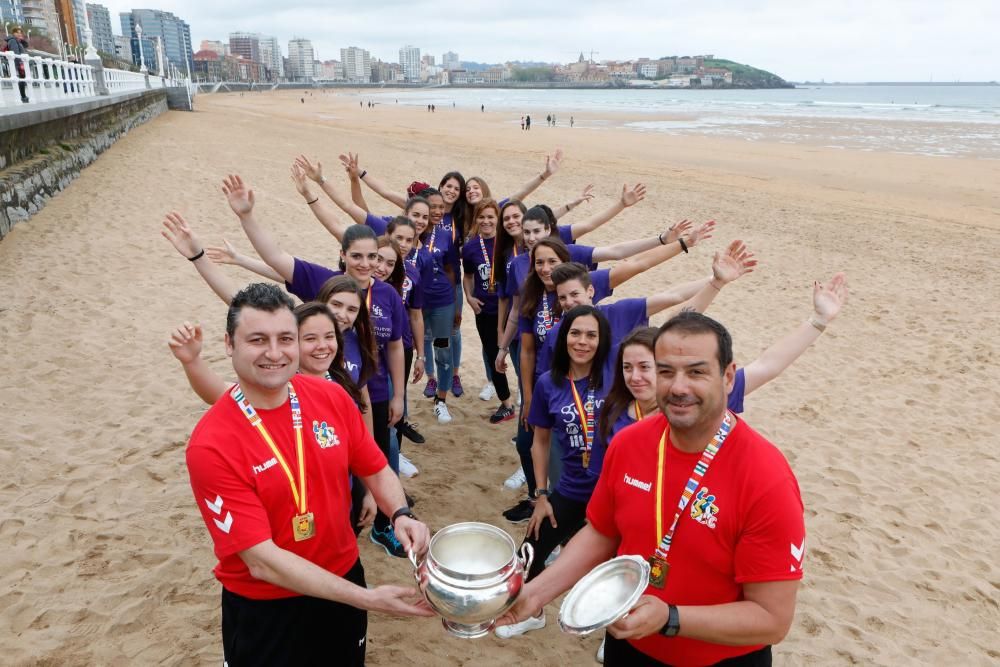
269,466
712,505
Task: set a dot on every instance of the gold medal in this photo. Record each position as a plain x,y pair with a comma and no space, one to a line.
658,569
586,459
303,526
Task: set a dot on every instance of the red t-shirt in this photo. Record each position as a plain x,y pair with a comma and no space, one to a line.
749,526
245,497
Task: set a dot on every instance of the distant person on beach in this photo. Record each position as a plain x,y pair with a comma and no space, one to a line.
482,107
571,121
548,119
522,123
288,559
527,122
730,542
17,44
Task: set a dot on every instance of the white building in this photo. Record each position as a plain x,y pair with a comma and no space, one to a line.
409,61
450,61
357,65
270,56
300,60
648,70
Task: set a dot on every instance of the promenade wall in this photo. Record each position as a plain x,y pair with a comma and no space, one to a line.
43,149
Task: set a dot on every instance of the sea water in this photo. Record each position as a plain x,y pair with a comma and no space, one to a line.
936,120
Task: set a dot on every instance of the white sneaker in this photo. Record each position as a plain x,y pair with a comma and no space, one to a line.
441,411
548,561
519,400
406,467
508,631
517,480
487,392
600,652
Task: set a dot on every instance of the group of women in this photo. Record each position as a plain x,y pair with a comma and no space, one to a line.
391,313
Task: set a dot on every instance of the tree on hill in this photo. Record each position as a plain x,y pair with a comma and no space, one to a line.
747,76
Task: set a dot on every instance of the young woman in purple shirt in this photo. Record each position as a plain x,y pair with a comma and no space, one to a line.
567,405
480,287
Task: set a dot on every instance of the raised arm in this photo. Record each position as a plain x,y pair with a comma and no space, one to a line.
828,299
185,343
630,197
178,232
735,262
320,207
343,202
585,196
552,163
382,190
350,162
624,271
230,255
241,201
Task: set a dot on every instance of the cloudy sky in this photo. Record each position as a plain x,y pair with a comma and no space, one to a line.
839,40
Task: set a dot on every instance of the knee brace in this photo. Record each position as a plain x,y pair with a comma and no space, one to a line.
441,342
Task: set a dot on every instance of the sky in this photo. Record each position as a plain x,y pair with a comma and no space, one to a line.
799,40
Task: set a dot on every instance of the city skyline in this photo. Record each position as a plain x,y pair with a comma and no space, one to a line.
803,40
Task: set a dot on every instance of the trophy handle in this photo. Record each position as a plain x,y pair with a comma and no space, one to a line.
527,556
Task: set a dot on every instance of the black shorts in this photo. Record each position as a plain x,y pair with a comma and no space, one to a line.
619,653
299,631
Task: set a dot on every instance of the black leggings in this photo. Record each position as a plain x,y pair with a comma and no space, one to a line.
486,325
380,426
570,515
299,630
619,653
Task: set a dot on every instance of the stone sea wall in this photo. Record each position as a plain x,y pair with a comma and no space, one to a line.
43,150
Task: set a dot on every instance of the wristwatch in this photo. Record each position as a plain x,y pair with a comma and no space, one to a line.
673,624
542,492
402,511
419,358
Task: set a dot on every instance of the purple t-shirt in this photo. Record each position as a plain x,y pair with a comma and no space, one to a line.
554,408
413,297
520,267
479,264
386,312
352,356
566,234
378,223
438,289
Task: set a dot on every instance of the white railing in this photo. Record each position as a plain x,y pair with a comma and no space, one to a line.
120,80
42,79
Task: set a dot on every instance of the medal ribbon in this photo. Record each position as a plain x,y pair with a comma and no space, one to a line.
430,245
638,411
546,314
700,469
489,264
368,297
586,412
256,422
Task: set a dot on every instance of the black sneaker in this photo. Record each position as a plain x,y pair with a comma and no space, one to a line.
502,414
520,512
387,540
409,431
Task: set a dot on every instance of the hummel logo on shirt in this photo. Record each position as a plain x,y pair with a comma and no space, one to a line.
643,486
216,508
265,465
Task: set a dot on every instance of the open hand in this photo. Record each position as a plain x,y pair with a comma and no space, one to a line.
226,255
397,601
585,196
631,197
238,194
736,261
552,162
677,230
828,299
178,232
313,171
300,181
702,233
185,342
543,511
350,162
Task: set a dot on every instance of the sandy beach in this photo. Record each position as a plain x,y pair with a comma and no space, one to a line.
888,421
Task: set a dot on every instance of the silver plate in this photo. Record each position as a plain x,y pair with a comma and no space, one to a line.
605,595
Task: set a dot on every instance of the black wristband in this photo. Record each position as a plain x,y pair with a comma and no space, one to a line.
673,624
310,203
402,511
659,237
363,174
197,257
684,246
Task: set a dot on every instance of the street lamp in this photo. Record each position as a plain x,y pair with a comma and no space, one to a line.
142,59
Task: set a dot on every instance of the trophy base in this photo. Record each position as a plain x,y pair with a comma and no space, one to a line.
464,631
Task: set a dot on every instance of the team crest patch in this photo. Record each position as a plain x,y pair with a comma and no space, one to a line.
325,435
703,508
